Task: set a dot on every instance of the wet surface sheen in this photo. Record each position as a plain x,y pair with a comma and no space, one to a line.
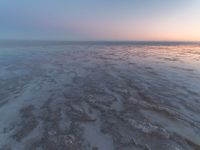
100,97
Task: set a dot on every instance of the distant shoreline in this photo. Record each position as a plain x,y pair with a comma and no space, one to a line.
57,42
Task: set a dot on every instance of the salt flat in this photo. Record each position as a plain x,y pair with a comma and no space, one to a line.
100,97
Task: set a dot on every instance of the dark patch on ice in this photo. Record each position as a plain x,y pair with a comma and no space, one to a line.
29,122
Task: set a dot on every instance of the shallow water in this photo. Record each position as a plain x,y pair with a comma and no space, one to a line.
104,96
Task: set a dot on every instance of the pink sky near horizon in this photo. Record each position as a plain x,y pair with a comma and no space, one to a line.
153,20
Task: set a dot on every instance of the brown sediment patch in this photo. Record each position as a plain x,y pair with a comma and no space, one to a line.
29,122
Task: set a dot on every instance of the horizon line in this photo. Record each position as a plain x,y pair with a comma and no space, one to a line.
46,40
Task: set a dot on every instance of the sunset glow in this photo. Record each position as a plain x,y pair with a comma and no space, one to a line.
101,20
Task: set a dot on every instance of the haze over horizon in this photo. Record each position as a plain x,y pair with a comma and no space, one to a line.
77,20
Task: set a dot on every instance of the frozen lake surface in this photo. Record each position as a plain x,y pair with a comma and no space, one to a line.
100,96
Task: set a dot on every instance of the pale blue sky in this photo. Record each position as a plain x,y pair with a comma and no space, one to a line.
100,19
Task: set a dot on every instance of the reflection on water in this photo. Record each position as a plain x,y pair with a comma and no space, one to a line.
100,96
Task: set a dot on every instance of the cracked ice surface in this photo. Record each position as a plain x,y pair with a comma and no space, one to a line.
100,97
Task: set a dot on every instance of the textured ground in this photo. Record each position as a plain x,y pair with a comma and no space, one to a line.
100,97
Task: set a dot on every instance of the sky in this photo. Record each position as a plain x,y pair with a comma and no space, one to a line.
88,20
